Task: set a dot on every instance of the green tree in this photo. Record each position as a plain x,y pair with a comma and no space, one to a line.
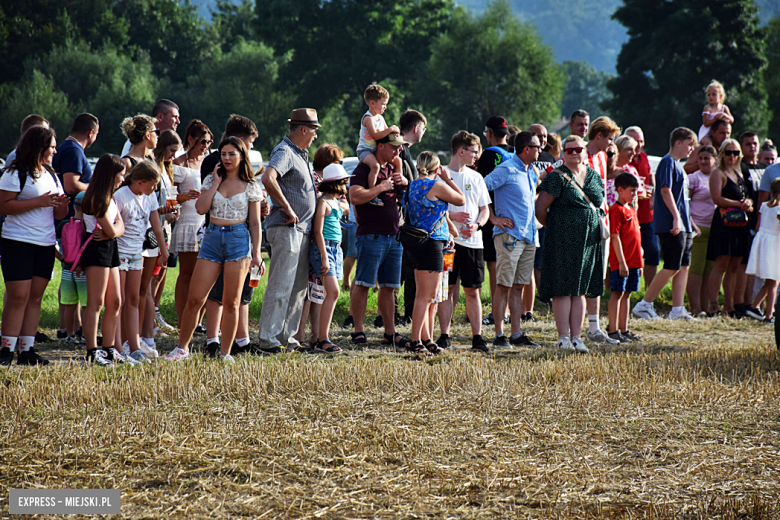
772,76
663,70
586,89
486,65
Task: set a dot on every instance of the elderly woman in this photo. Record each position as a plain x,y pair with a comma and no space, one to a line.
572,263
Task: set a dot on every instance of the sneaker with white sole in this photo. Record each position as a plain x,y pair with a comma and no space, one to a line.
117,357
645,310
579,346
127,354
227,359
683,315
149,350
161,321
599,337
177,354
139,356
98,357
565,344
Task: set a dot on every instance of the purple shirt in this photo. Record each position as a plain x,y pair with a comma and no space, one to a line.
376,220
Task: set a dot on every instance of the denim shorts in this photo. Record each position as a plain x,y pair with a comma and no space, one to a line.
650,248
630,283
362,154
378,261
131,262
349,240
226,243
335,259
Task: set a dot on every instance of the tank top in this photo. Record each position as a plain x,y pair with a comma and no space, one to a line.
331,229
365,142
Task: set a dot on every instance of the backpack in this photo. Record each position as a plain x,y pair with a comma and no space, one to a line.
73,244
505,156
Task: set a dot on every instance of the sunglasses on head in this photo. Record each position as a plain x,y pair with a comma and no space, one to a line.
733,153
570,151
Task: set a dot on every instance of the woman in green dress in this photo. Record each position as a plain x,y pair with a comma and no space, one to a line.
572,263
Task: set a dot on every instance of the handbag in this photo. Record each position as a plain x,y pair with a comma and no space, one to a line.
603,228
735,217
412,235
150,240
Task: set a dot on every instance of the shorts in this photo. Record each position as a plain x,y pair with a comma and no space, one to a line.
102,253
216,292
699,264
652,252
226,243
362,154
539,250
469,266
73,289
676,249
514,260
335,259
629,283
131,262
22,261
488,247
428,256
349,240
378,261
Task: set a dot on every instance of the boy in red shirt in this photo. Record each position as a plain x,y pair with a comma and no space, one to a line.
625,257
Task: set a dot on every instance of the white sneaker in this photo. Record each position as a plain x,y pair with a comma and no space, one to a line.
178,354
598,337
645,310
148,350
128,355
683,315
579,346
565,344
158,332
139,356
161,321
228,359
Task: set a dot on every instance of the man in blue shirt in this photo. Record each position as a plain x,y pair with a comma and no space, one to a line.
513,184
71,163
674,227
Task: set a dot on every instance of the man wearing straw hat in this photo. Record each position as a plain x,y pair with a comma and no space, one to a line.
290,184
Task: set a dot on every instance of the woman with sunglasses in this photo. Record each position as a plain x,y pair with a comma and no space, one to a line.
572,262
186,174
729,241
142,134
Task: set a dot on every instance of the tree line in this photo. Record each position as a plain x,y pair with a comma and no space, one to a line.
114,58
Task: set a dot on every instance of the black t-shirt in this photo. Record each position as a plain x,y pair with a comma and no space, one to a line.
208,164
406,156
490,159
752,173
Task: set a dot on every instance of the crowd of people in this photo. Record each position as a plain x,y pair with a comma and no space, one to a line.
549,218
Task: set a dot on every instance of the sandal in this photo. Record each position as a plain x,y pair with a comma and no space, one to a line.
395,340
359,338
433,347
418,348
327,347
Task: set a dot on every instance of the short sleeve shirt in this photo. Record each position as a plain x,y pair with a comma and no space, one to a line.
771,173
670,174
473,187
37,225
702,206
642,166
623,221
296,182
135,211
235,208
376,220
514,187
70,158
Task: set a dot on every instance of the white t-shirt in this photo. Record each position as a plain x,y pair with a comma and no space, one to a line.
473,187
90,222
37,225
135,211
127,146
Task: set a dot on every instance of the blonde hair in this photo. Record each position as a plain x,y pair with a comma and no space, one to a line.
774,193
737,165
144,171
136,128
717,85
570,139
603,125
554,145
624,142
427,163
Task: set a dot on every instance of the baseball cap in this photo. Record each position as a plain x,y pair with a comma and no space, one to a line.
78,198
392,139
498,124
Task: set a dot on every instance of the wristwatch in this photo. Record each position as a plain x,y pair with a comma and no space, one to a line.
479,227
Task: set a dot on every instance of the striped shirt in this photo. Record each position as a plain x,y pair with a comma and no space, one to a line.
296,181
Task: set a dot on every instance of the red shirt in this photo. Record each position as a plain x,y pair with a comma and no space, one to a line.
623,221
642,166
599,163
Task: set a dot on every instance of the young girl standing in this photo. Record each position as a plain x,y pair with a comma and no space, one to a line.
764,261
137,205
715,109
326,258
100,260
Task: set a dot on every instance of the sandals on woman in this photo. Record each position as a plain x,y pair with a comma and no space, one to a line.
433,347
395,340
327,347
418,348
359,338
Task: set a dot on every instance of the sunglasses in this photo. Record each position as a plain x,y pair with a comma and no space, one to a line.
206,141
733,153
570,151
538,147
156,131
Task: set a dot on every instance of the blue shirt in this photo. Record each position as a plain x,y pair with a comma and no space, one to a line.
771,173
427,214
514,187
70,158
670,174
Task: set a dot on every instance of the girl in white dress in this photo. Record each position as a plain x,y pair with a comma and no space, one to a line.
715,109
764,260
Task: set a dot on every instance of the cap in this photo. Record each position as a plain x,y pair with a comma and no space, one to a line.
78,198
334,172
392,139
498,124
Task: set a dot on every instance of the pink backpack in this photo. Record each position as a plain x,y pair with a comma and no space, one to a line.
73,243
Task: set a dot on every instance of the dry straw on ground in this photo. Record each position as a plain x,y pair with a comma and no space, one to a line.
683,426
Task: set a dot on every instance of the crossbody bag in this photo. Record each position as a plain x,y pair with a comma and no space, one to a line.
603,229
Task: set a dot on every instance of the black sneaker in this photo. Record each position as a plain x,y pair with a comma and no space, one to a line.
379,322
630,335
488,320
404,320
754,313
256,350
30,357
212,349
62,335
619,337
6,356
40,337
507,319
444,342
523,341
528,317
501,342
478,344
349,323
79,333
235,350
200,330
97,356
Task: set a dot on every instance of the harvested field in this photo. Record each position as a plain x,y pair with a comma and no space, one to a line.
684,425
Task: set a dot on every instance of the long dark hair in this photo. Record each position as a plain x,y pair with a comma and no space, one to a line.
166,139
29,153
245,168
97,199
196,129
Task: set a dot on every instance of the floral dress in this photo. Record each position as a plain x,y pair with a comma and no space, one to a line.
572,263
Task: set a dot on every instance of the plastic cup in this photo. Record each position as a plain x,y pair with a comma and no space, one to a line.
254,276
